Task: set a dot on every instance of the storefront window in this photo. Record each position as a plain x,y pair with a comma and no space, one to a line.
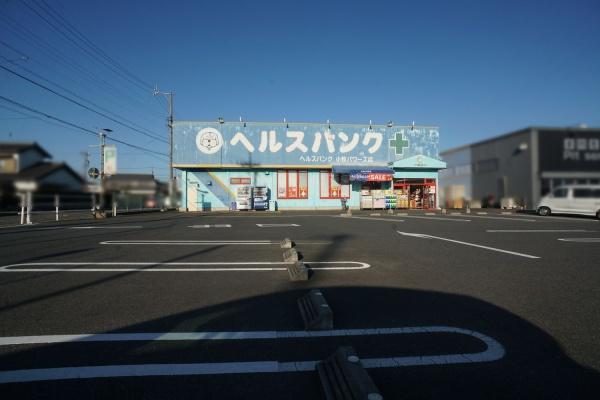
324,183
292,184
303,184
345,181
334,186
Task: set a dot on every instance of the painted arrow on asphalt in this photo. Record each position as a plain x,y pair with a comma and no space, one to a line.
419,235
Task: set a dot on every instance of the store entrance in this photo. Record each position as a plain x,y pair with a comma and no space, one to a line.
376,195
415,193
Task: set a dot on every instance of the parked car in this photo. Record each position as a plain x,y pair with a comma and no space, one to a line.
572,199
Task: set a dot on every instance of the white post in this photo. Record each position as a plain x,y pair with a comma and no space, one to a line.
114,205
29,205
56,203
22,208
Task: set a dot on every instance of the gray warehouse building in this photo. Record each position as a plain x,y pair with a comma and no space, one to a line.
516,169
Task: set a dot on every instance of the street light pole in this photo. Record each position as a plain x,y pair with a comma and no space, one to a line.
170,143
102,145
103,132
86,164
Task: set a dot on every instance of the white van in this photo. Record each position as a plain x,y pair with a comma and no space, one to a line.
572,199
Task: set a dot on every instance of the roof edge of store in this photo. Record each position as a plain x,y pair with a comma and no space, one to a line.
301,123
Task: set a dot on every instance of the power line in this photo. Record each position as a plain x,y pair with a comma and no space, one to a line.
58,17
38,118
61,58
80,104
23,55
17,111
78,45
70,127
73,125
75,94
29,116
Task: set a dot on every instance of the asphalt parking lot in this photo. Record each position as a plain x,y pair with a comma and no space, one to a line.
173,305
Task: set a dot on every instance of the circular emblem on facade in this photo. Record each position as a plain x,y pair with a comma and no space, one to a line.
209,140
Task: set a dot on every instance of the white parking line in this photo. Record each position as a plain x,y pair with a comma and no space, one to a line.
275,225
535,230
189,242
206,242
393,219
53,228
439,218
567,218
50,228
581,240
15,226
210,226
494,351
106,227
500,218
149,266
424,236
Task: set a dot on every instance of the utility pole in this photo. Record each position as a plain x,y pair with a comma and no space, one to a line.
102,133
170,143
169,96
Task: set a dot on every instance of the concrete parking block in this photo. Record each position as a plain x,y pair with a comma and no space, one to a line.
298,271
315,312
343,377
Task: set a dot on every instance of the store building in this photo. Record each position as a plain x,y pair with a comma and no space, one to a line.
518,168
306,166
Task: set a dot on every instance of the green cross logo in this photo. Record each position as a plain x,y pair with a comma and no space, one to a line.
399,143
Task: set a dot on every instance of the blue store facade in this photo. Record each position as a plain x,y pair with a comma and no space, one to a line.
305,165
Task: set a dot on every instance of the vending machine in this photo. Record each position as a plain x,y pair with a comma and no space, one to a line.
261,198
244,198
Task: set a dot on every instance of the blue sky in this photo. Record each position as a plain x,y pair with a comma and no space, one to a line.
475,68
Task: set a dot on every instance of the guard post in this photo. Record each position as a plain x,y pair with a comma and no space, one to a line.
26,188
56,204
29,206
22,196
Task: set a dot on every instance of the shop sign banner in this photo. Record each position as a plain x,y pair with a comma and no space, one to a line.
110,160
569,151
239,144
371,177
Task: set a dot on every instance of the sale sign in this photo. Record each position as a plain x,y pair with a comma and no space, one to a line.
371,177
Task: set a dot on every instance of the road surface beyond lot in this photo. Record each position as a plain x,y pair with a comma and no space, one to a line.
175,305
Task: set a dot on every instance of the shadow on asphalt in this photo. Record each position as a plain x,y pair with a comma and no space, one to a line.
103,280
534,365
43,257
119,220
